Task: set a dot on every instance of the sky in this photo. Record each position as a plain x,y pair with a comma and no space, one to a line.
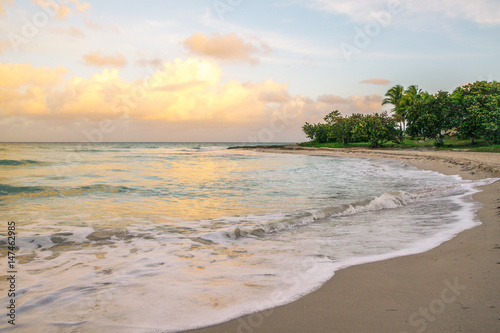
226,70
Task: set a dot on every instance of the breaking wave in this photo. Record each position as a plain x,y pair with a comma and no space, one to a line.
389,200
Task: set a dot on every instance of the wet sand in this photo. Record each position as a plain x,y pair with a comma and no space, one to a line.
452,288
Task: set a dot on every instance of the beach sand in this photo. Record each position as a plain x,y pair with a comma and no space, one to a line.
452,288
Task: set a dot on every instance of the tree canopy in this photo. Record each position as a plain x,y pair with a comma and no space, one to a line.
472,111
481,110
433,117
374,128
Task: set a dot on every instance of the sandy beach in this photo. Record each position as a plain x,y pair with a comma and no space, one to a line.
452,288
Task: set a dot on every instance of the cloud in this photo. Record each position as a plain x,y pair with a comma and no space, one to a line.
100,60
332,99
97,27
81,6
183,90
480,11
4,3
191,90
92,25
225,47
18,75
153,62
381,82
180,91
93,98
3,46
180,96
61,9
71,31
24,88
352,104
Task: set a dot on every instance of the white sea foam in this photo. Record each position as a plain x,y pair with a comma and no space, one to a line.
204,235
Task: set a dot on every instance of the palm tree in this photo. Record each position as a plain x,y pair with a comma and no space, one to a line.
426,97
412,95
394,96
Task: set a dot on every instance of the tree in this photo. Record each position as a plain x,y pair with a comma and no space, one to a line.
332,117
397,97
357,126
382,129
375,128
340,127
412,95
432,117
473,109
480,103
309,130
316,132
394,96
322,131
403,99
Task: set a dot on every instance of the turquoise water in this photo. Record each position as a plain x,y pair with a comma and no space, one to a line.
163,237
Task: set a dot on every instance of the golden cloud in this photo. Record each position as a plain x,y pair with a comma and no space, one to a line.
23,88
190,90
182,90
60,8
180,95
17,75
93,98
225,47
100,60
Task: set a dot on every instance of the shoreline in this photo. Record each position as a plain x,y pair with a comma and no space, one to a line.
454,287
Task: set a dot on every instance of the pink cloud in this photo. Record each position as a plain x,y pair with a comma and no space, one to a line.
381,82
100,60
225,47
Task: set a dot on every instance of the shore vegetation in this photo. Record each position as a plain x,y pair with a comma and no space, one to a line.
467,118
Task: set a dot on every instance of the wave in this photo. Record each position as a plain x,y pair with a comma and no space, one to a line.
20,162
389,200
49,191
89,150
6,190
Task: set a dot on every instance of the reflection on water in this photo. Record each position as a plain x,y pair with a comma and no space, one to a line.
144,237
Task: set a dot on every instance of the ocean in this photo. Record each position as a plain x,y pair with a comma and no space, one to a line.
165,237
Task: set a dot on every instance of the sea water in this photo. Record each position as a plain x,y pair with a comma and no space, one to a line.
164,237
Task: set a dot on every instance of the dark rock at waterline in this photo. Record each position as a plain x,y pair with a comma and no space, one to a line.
57,240
106,234
202,240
